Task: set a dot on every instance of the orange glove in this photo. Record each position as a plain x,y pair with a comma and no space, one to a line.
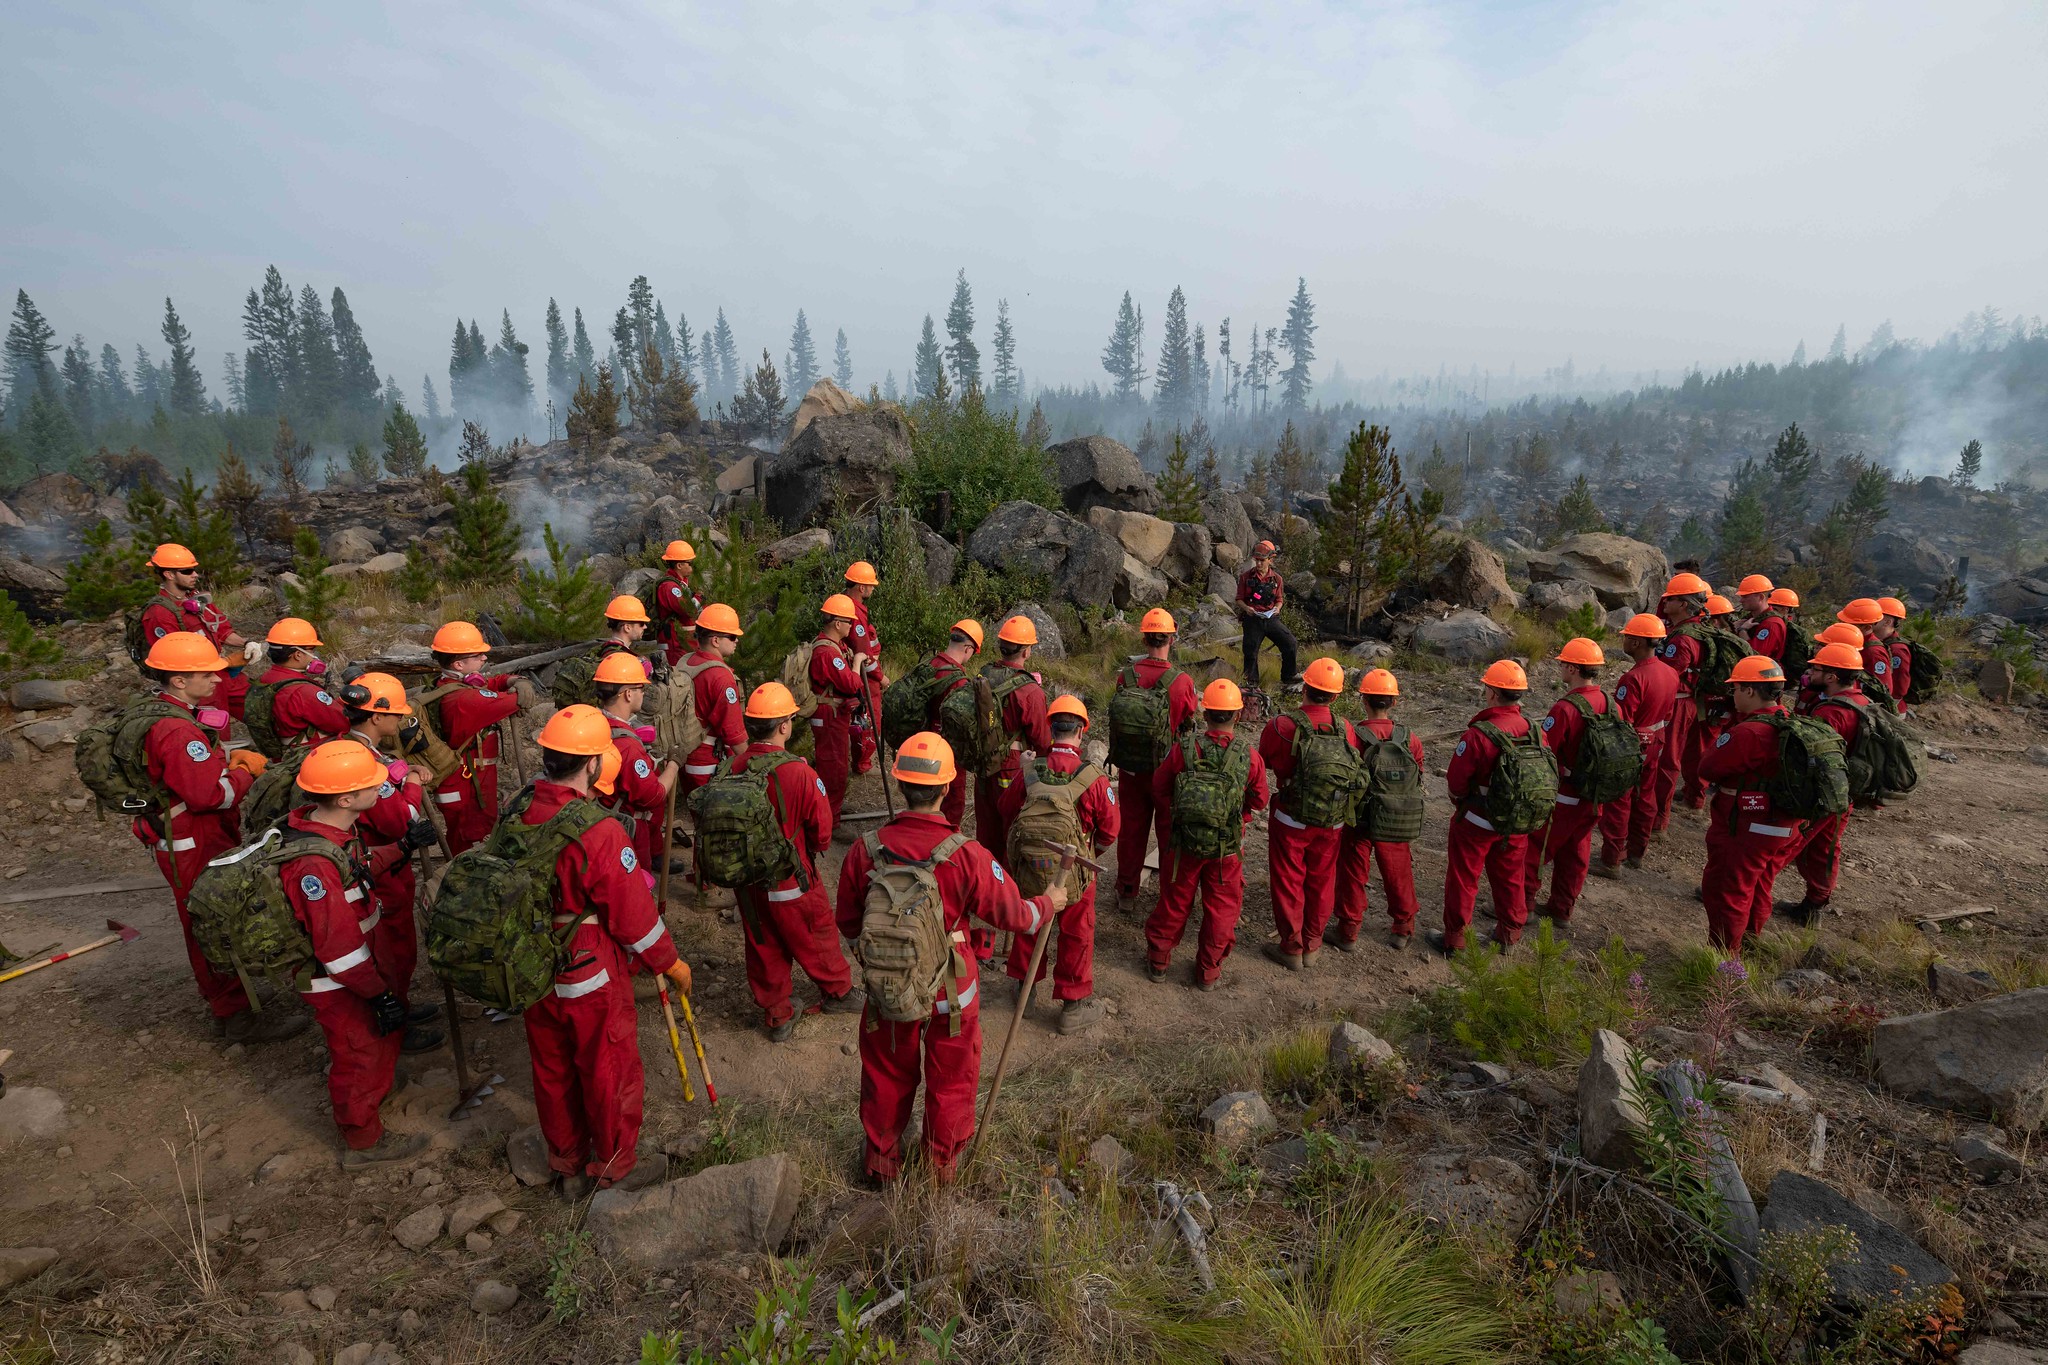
680,974
249,760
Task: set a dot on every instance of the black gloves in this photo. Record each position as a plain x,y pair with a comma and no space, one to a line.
418,835
388,1012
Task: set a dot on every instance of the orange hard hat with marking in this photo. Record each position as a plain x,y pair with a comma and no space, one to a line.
622,668
1378,682
1784,597
863,573
770,701
1756,668
460,638
338,766
924,760
294,632
1067,704
1893,607
679,552
971,629
626,607
184,651
1687,585
1507,675
1582,651
1324,675
171,555
1018,630
1845,657
1222,695
1864,611
719,619
839,605
577,729
1645,627
1158,621
1753,584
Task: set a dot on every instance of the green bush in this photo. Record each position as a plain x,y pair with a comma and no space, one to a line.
781,1335
561,603
1538,1006
21,644
318,593
977,458
106,579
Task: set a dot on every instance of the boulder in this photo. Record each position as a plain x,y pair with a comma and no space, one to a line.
472,1211
2001,1353
1051,646
790,549
1225,517
632,581
933,555
1144,537
2023,597
738,477
492,1297
1353,1048
1986,1159
838,466
1228,557
1239,1118
1623,572
35,589
1954,986
49,734
54,497
1137,586
824,399
1480,1194
1222,583
526,1152
1474,576
743,1209
1553,602
353,544
1887,1263
1189,558
1465,636
30,1111
39,694
1990,1057
24,1263
1110,1157
392,561
1282,1160
9,520
1095,471
1893,561
417,1230
1611,1113
1080,562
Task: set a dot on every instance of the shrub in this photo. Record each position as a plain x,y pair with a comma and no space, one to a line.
561,603
973,459
318,592
104,579
1539,1007
486,543
21,644
781,1335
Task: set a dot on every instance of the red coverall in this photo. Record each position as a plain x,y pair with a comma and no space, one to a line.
1569,845
1878,667
863,640
1397,866
1767,637
186,758
306,714
832,678
787,923
584,1037
637,791
341,917
1645,696
1748,843
1301,859
165,614
395,936
1024,720
1473,842
952,675
676,605
1681,653
1221,880
721,711
891,1055
1818,854
1900,674
468,717
1134,789
1073,976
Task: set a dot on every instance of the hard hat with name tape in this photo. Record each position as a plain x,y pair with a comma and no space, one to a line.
924,760
1158,621
577,729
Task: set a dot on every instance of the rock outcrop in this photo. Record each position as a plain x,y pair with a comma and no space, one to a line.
1474,576
824,399
1465,636
1082,564
1623,572
1095,471
1988,1058
2023,597
838,466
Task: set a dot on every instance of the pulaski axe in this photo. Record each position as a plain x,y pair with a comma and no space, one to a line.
122,934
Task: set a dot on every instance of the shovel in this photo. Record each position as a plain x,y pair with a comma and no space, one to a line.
122,934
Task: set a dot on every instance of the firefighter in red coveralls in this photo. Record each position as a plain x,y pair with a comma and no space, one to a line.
790,922
1765,629
1134,789
302,710
1025,723
1072,958
1811,685
1899,674
205,783
949,666
1868,617
1818,851
584,1035
676,603
716,693
180,606
1181,874
836,674
1379,690
861,582
944,1050
468,719
1473,841
642,785
1683,604
1302,858
1645,697
1568,846
1748,842
350,990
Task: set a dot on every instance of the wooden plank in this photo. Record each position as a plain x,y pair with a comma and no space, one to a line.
1967,912
56,893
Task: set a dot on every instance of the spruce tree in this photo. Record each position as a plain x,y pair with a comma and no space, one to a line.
963,357
725,348
673,395
1173,383
270,324
115,395
559,387
685,358
1969,465
236,378
30,340
188,390
22,644
1292,465
1037,431
1838,349
803,356
405,449
511,385
289,460
1792,464
842,362
364,464
185,517
356,387
1577,512
149,385
1004,347
594,412
1124,355
485,546
1299,338
1743,536
318,592
1180,493
462,363
562,602
758,409
430,401
1201,371
664,338
890,393
78,385
639,311
581,355
319,364
928,365
238,492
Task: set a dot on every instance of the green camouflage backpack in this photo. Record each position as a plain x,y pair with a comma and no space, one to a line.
1925,673
1812,781
1208,796
1391,811
1140,720
1051,814
739,826
971,718
274,792
1610,761
111,762
908,958
1719,649
1881,760
491,932
1328,780
1522,792
907,702
1799,648
575,681
259,713
240,917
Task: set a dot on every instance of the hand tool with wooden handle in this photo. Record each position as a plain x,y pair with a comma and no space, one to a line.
675,1042
122,934
1068,856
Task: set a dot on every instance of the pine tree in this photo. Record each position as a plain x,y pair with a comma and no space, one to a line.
419,580
1180,493
1969,465
581,354
1577,512
675,400
890,393
1211,474
355,384
463,363
30,339
1838,349
476,444
486,542
803,356
116,397
22,644
405,449
562,603
1849,525
185,517
188,390
364,464
594,412
842,362
1226,368
319,364
758,409
270,366
106,578
1004,347
963,357
1300,340
289,459
50,439
510,382
927,371
1173,383
78,385
239,493
149,385
727,350
1258,478
1377,535
1201,370
430,401
1743,536
1037,431
639,311
318,592
1792,464
1124,355
664,338
685,358
558,385
1292,465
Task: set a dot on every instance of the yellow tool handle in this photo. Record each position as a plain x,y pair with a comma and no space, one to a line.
675,1042
697,1042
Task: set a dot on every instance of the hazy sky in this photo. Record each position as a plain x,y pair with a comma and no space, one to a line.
1636,185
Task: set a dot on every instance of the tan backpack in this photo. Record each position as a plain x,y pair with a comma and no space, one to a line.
678,729
908,957
1051,814
796,676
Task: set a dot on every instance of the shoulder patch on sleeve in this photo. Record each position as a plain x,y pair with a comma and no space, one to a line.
1621,692
821,789
1722,738
1548,721
627,860
325,700
485,692
384,790
1112,794
1878,666
312,888
838,662
996,868
1763,635
1461,747
640,767
160,632
197,751
732,696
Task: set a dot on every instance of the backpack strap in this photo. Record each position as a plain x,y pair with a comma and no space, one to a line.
772,762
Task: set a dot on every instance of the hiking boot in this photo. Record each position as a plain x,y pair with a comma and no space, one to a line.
1211,984
1154,972
1308,959
1803,913
419,1040
647,1170
852,1002
1439,945
1080,1016
1342,945
421,1013
271,1026
1127,905
391,1147
1397,941
1275,953
1633,864
782,1032
574,1188
1610,871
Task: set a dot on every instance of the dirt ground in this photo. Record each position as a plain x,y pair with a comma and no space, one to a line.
121,1037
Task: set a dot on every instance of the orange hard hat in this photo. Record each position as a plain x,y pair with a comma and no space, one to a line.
171,555
1864,611
971,629
381,695
295,632
1840,633
577,729
1718,605
862,572
1264,548
1324,675
1158,621
720,619
1067,704
1645,626
621,667
1784,597
1222,695
1848,658
679,552
1018,630
1754,583
1892,606
1586,653
1686,585
608,765
460,638
626,607
339,766
1756,668
184,651
1378,682
1507,675
770,701
839,605
924,760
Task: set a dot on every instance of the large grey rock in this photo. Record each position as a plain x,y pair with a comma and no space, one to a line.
741,1209
1893,560
1474,1193
471,1212
1682,1084
353,544
2001,1353
1225,517
1954,986
492,1297
1988,1058
1138,586
1095,471
1887,1263
1080,562
1611,1113
1465,636
29,1111
1143,536
391,561
526,1152
24,1263
38,694
1189,558
1986,1159
1553,602
632,581
1624,572
824,399
1222,583
791,548
1474,576
838,466
1353,1048
35,589
1237,1119
2023,597
1052,645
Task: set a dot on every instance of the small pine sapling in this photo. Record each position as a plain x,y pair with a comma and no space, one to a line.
405,449
420,579
563,602
239,493
1180,492
21,644
106,578
318,592
363,463
487,539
